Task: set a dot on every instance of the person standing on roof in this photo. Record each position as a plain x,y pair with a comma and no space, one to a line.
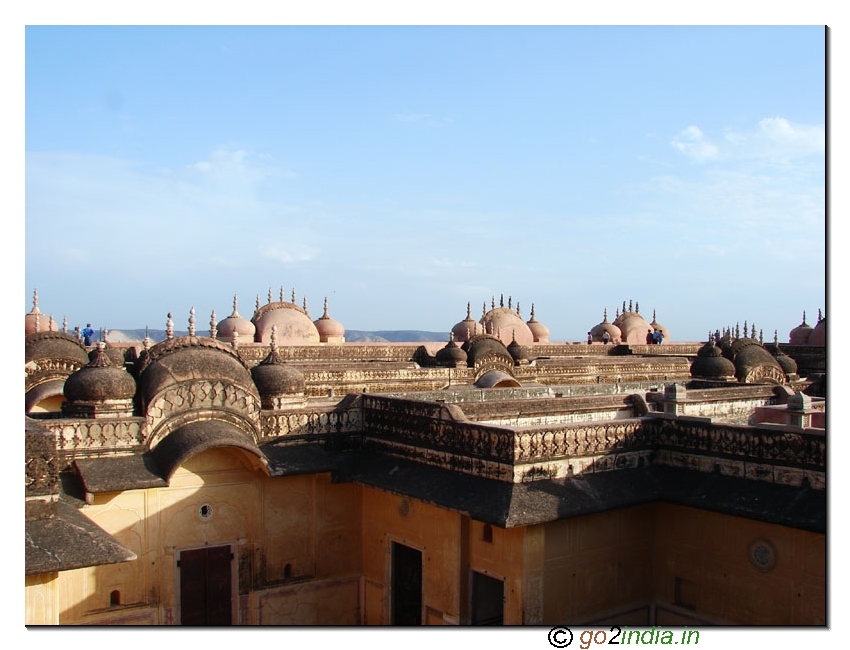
87,333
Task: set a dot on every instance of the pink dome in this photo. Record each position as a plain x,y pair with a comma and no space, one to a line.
818,335
800,334
467,328
538,330
235,323
330,330
294,326
35,321
507,326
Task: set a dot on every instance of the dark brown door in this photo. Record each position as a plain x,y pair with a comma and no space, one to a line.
205,586
488,600
406,602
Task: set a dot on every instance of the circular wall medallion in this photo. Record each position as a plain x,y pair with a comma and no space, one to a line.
205,512
762,555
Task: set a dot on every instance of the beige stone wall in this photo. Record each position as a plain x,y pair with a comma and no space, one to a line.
598,563
710,555
673,565
41,606
305,522
452,547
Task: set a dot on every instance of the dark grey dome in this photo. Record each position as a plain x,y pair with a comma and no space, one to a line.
99,381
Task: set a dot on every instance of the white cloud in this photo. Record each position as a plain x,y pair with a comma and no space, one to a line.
778,139
289,254
693,143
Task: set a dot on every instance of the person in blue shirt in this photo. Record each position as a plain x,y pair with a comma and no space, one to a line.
87,333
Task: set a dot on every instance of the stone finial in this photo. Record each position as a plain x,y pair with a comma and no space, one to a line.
776,337
37,321
532,311
483,310
637,307
630,306
270,296
804,317
293,295
304,303
737,331
752,330
616,313
820,315
501,300
273,339
146,342
517,310
192,321
79,333
169,327
104,335
468,311
64,324
281,293
50,323
234,340
605,315
624,308
745,329
235,313
510,300
257,308
213,326
325,314
35,302
761,337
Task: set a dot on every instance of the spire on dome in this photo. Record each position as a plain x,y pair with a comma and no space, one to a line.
270,296
325,314
169,327
510,299
213,329
35,302
293,295
192,321
281,293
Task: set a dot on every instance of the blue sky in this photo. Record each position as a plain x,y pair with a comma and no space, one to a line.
404,171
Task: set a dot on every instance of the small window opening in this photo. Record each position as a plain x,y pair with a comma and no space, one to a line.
114,598
487,535
287,571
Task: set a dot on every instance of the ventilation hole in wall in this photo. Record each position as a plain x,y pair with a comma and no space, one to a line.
684,593
487,535
114,598
205,511
287,571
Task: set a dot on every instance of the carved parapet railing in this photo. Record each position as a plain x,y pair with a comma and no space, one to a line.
314,422
253,353
76,437
761,453
436,427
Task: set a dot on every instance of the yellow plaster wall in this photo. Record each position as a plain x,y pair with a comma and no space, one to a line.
504,559
304,521
41,600
597,563
434,531
712,552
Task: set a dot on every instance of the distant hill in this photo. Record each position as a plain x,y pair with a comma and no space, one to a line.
351,336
